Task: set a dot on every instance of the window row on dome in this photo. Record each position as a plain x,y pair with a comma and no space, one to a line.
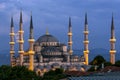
48,43
53,53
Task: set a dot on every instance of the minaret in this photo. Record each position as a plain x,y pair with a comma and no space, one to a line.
21,41
86,41
70,51
112,43
31,42
12,43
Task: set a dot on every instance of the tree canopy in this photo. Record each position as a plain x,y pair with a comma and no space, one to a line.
98,60
54,75
117,63
97,63
17,73
22,73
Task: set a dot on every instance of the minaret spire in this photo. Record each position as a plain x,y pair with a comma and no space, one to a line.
70,25
31,42
86,22
12,43
112,28
12,23
21,41
70,51
21,21
31,28
86,41
112,43
31,22
47,32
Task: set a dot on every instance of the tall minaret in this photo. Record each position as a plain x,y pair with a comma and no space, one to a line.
21,41
86,41
70,51
112,43
12,43
31,42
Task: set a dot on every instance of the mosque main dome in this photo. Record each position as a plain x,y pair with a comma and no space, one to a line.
47,38
50,49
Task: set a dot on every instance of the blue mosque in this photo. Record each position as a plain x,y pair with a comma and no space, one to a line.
47,52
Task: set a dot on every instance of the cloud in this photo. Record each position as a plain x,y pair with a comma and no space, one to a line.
4,30
17,16
55,13
2,6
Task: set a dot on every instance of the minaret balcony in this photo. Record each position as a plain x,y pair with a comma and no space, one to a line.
12,34
69,33
12,52
70,52
112,51
20,52
11,43
21,31
20,41
26,53
86,32
86,51
31,40
70,43
112,40
31,52
86,42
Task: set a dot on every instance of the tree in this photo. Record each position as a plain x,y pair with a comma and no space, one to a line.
91,69
22,73
5,72
98,60
17,73
117,63
107,64
59,71
54,75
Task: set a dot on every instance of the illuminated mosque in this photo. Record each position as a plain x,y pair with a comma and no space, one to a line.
48,51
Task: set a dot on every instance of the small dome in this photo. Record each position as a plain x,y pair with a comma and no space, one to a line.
47,38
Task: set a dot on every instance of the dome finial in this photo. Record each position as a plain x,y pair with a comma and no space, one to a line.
47,33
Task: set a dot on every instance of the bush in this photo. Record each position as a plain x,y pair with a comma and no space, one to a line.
98,60
117,63
17,73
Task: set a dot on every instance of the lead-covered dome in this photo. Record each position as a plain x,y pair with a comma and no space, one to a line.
47,38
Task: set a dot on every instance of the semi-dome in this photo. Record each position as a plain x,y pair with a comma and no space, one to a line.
47,38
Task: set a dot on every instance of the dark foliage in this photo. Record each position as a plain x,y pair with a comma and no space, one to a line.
17,73
22,73
107,64
98,60
54,75
91,69
97,63
117,63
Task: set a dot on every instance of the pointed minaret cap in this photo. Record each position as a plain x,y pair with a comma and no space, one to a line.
86,22
70,22
31,22
47,33
12,24
112,23
70,25
21,17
